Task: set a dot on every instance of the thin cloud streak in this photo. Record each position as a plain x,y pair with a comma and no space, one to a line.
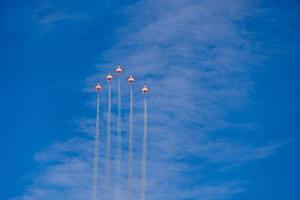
61,16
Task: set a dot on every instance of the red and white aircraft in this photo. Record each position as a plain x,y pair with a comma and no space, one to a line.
98,87
109,77
145,89
119,69
130,79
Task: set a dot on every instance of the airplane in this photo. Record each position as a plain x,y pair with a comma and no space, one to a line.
145,89
130,79
109,77
98,87
119,69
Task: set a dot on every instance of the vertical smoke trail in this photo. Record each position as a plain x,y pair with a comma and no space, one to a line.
144,153
96,153
119,146
108,141
130,145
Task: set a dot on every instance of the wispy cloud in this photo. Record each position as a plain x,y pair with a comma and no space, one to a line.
60,16
48,15
197,60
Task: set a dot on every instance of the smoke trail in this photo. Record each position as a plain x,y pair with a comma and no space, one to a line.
119,146
96,153
108,141
130,145
144,153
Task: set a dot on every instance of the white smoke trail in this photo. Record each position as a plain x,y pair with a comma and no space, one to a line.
130,145
144,153
96,153
108,141
119,146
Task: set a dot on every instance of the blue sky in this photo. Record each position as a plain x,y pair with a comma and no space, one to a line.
223,109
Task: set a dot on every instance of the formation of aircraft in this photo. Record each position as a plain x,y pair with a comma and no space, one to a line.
130,80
